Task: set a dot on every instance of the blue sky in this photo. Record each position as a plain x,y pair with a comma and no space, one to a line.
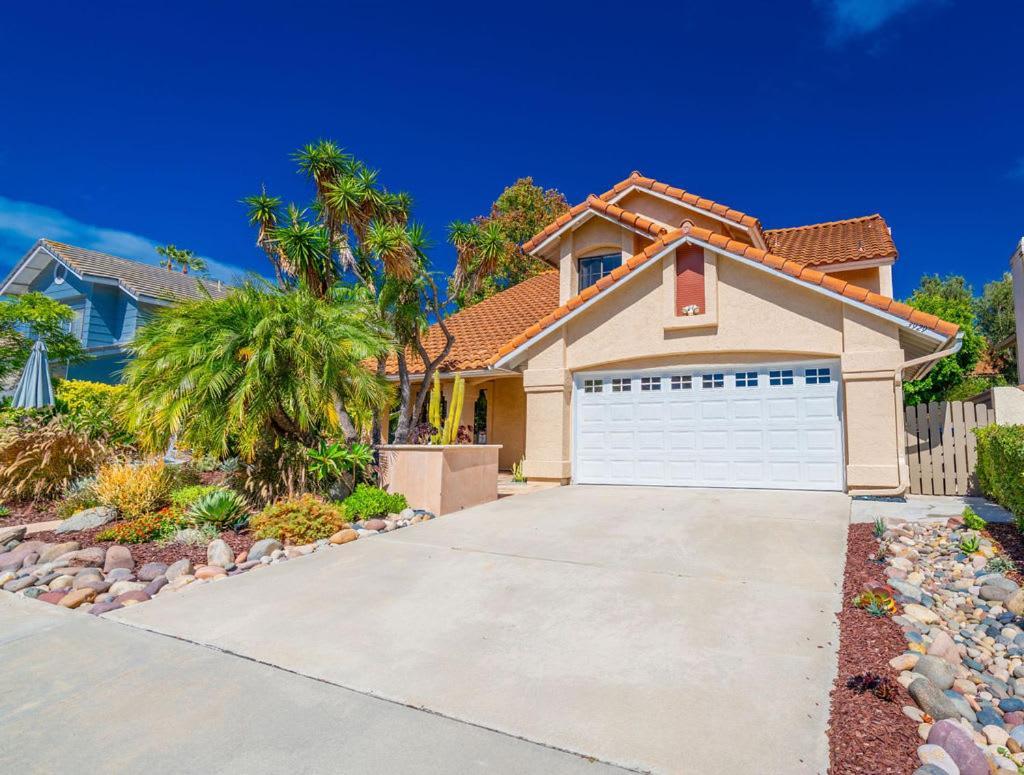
125,125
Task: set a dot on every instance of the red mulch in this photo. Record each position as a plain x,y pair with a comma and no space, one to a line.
1010,538
868,736
151,551
27,513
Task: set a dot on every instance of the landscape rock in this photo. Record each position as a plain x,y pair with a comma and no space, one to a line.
344,536
53,551
920,613
118,557
14,533
937,670
263,548
207,572
120,574
180,568
931,700
131,598
19,584
120,587
219,553
76,597
92,556
151,570
936,756
87,519
1015,603
960,746
155,585
102,608
53,597
375,524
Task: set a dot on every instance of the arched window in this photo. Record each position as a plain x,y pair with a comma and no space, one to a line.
593,268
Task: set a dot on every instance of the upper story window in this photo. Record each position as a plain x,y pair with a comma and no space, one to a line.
593,268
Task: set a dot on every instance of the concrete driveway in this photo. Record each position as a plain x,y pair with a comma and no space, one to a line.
654,629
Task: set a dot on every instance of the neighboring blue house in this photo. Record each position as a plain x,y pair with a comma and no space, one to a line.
111,298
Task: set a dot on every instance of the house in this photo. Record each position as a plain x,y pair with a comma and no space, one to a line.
1010,343
110,296
676,341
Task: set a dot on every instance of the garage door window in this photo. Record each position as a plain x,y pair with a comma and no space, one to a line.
746,379
650,383
682,382
593,386
818,376
709,381
780,377
621,385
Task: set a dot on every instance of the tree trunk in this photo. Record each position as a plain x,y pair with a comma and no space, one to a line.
404,427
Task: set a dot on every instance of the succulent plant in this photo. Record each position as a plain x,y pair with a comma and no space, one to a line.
223,509
1000,564
879,527
883,687
969,544
875,602
972,520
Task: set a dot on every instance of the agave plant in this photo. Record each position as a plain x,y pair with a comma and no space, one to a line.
969,544
223,509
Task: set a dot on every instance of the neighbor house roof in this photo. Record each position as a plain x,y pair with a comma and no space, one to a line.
782,265
135,277
481,329
834,242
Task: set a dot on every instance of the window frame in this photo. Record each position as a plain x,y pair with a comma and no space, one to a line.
713,380
650,384
681,382
606,268
622,384
750,379
818,375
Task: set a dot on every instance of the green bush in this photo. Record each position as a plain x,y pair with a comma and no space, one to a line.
148,527
91,407
298,521
183,497
222,508
368,502
1000,466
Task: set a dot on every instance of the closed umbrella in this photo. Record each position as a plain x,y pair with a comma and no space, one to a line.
34,389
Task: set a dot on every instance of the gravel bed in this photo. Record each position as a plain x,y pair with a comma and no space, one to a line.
867,736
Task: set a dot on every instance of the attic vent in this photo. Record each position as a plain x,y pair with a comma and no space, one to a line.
60,273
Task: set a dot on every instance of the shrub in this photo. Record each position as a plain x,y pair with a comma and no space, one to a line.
91,407
40,456
224,509
4,512
193,536
972,520
148,527
134,490
298,521
368,502
183,497
1000,466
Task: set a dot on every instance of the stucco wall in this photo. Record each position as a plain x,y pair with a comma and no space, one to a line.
761,317
506,414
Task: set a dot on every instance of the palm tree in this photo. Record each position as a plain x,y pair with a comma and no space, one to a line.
259,367
186,259
169,253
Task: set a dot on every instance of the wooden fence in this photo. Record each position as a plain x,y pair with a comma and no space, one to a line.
941,449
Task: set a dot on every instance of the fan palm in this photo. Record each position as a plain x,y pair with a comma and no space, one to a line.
260,367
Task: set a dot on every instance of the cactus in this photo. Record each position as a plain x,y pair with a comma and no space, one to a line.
448,432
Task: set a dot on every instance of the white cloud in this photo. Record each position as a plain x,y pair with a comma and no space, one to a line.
22,223
853,18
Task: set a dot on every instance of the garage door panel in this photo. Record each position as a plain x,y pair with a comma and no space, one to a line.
724,431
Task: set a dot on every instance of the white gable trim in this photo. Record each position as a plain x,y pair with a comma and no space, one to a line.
512,358
586,215
755,235
26,260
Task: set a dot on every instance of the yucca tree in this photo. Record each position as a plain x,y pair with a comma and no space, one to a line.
479,250
259,367
264,212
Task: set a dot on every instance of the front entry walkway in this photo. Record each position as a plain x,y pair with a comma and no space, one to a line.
666,630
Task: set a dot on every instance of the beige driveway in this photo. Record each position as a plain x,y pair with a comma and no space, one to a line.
667,630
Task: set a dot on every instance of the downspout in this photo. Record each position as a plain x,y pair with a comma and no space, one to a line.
897,397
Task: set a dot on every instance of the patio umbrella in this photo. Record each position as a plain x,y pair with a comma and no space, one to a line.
34,388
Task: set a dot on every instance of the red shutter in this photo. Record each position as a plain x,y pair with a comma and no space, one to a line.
689,278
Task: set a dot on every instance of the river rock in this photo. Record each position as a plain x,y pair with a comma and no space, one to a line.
77,597
120,574
219,553
151,570
102,608
936,755
344,536
209,572
180,568
155,585
264,548
931,699
960,746
921,614
131,598
1015,603
120,587
53,551
92,556
937,670
19,584
118,557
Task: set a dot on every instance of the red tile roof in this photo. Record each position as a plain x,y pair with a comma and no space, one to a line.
776,262
481,329
834,242
597,205
636,179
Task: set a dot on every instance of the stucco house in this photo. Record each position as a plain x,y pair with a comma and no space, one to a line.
111,297
676,341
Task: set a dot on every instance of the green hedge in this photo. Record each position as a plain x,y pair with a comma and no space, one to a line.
1001,465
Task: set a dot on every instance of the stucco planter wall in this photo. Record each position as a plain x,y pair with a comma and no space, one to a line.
440,478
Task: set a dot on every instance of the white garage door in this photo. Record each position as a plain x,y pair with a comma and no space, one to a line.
757,426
